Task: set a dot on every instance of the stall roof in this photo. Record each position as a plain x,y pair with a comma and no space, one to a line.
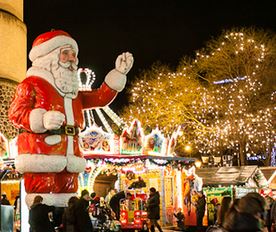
226,175
270,175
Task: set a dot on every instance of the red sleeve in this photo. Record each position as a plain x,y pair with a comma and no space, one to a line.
98,97
22,105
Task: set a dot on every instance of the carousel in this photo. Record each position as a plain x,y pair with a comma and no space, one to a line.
134,160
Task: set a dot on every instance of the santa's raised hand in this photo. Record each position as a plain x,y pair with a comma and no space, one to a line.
124,62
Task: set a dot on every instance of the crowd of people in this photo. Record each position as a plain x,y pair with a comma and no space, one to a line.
77,215
251,213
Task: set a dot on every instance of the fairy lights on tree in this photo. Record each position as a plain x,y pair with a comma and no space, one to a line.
223,100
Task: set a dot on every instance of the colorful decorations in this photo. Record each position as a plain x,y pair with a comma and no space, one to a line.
132,139
95,141
134,142
173,142
86,79
155,143
156,161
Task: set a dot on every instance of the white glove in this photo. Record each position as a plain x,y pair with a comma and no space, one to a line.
53,120
124,62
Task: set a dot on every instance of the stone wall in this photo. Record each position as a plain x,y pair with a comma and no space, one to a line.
7,90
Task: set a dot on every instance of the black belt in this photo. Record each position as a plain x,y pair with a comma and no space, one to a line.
63,130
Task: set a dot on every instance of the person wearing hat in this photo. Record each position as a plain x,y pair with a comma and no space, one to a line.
47,108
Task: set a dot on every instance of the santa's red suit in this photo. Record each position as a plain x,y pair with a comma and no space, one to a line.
51,160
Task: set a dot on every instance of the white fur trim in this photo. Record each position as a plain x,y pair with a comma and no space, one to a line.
75,164
50,45
47,76
115,80
70,146
40,163
68,106
52,139
44,74
36,120
55,199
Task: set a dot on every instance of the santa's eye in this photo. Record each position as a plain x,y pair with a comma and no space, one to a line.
65,52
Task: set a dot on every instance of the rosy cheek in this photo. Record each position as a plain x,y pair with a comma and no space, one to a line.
63,59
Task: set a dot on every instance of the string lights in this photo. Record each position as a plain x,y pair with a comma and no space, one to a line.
216,98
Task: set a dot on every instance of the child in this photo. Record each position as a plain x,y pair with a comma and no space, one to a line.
180,219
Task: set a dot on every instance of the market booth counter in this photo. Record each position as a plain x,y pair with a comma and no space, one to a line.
229,181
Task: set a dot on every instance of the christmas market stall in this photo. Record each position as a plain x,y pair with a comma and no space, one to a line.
135,162
9,187
234,182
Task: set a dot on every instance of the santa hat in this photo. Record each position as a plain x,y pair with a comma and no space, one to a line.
49,41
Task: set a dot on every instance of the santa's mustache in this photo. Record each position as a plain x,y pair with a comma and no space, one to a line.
69,65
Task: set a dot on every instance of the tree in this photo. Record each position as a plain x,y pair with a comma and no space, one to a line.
161,98
223,99
241,107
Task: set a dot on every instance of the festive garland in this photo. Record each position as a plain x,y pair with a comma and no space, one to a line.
120,162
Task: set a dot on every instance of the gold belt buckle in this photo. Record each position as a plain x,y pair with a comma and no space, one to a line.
70,130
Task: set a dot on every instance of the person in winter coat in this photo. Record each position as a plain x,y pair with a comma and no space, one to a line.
68,217
40,217
200,210
115,203
153,208
83,221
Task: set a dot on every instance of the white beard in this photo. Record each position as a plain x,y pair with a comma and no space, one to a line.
65,74
65,79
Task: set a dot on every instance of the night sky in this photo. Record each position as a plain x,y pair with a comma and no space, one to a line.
152,30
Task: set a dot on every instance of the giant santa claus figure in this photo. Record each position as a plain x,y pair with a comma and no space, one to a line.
47,108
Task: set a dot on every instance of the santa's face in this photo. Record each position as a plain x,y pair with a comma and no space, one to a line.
68,55
62,63
65,71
